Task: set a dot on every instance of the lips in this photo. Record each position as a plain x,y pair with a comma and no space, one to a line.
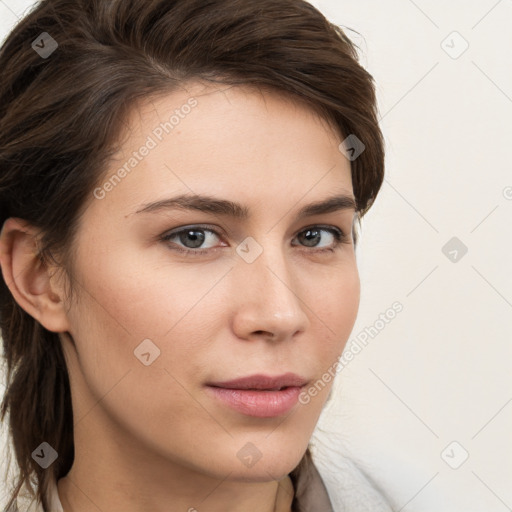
262,382
259,396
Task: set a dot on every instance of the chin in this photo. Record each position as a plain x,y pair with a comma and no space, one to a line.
272,463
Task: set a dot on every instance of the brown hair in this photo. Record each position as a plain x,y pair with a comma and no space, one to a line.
61,114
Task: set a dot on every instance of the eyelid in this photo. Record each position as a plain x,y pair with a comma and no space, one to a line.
219,232
205,227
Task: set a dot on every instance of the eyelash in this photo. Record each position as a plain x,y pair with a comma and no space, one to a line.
339,235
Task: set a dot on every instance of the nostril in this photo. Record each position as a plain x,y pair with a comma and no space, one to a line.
265,333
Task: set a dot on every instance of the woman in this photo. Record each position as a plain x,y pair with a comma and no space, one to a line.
181,182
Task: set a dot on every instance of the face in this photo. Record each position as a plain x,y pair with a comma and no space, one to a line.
171,297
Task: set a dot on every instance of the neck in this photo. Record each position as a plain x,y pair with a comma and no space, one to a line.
74,498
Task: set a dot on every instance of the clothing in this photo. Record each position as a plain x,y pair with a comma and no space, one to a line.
349,488
350,492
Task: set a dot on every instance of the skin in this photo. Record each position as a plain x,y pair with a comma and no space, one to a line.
147,437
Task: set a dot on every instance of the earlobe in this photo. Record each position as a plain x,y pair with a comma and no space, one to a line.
29,278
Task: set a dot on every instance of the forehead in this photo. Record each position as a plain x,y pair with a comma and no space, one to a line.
228,104
230,142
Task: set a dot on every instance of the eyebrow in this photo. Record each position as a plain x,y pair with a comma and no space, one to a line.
208,204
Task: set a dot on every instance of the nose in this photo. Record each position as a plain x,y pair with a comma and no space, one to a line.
269,298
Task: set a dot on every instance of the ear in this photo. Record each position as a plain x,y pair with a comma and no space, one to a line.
32,282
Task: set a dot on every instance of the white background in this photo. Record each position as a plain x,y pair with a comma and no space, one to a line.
440,371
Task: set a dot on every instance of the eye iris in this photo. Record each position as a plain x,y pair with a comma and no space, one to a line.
196,236
314,234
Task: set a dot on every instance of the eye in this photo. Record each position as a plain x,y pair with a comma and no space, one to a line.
192,239
310,237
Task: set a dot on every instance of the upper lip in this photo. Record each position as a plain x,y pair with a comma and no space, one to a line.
262,382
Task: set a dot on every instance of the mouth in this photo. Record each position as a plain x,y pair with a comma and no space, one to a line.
262,382
259,395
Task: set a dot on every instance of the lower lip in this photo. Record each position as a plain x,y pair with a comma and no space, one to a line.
261,404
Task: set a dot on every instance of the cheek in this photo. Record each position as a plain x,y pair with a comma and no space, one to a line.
143,298
114,314
337,308
124,302
336,302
